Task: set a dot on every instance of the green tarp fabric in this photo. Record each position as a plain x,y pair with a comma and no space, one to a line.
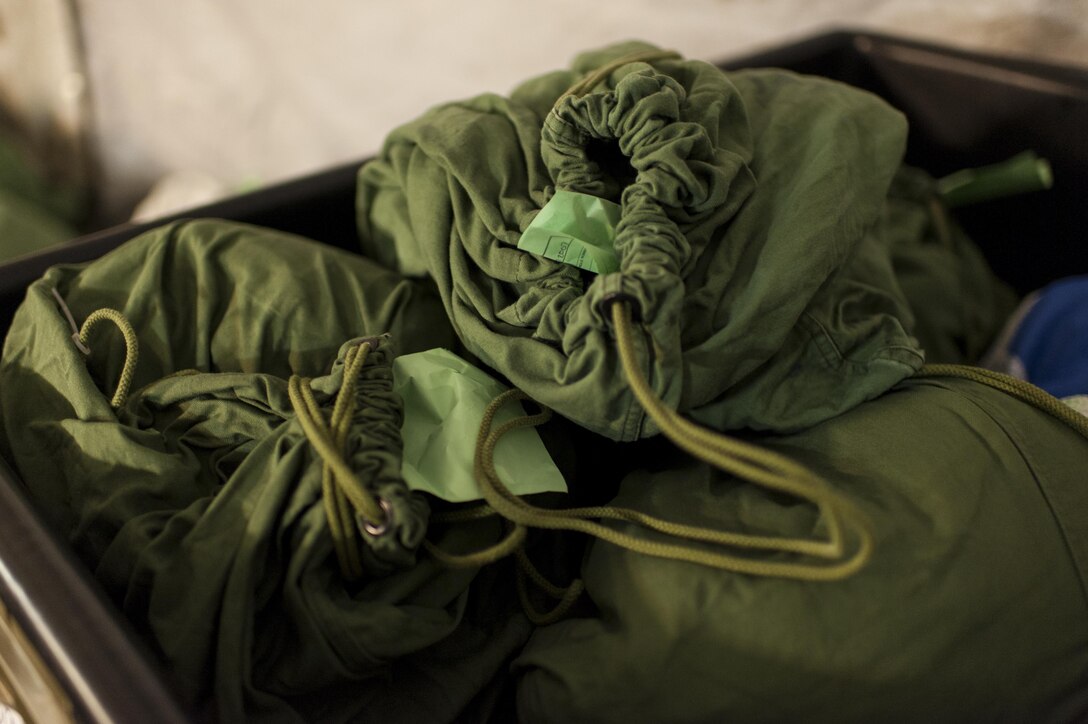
974,606
749,239
198,503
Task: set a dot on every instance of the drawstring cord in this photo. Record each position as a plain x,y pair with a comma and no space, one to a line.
598,75
82,337
132,349
342,491
1021,390
747,461
759,466
565,597
513,543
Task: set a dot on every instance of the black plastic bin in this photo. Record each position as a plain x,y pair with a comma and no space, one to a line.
965,109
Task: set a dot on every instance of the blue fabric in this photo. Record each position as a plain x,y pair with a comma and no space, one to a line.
1052,339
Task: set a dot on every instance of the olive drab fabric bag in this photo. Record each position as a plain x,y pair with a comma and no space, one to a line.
767,263
189,441
746,249
972,607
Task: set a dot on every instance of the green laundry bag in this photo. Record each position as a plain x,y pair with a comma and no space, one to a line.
972,607
747,244
190,478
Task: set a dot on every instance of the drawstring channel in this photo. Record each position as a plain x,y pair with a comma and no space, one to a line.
344,495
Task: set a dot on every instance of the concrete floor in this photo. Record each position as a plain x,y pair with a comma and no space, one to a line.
246,91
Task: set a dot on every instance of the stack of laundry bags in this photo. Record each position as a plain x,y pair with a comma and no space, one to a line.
778,276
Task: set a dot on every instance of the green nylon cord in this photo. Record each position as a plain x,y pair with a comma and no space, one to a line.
596,76
508,502
758,466
565,597
132,349
511,543
337,509
514,509
1021,390
342,491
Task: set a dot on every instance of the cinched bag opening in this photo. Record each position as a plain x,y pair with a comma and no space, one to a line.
745,209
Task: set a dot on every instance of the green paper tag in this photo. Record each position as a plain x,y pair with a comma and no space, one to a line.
576,229
444,401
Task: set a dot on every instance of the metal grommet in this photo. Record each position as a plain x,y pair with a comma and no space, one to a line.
377,529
